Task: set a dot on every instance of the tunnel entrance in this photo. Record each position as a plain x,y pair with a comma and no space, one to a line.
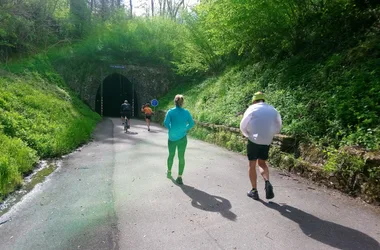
116,89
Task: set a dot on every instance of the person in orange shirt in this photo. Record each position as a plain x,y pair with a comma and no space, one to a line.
148,113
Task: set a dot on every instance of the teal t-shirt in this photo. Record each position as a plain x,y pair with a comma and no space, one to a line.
178,120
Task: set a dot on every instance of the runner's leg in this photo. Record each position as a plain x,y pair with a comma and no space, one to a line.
252,153
265,174
264,170
171,147
252,173
182,144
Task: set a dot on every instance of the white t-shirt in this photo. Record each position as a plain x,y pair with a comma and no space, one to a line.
260,123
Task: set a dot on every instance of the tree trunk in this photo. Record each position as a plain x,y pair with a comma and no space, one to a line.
103,9
176,11
169,5
160,3
164,8
78,13
92,5
152,1
130,8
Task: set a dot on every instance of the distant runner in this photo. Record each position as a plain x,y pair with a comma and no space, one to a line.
260,123
178,120
148,114
126,113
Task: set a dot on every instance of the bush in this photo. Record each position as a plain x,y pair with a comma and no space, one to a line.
16,159
43,114
39,117
309,109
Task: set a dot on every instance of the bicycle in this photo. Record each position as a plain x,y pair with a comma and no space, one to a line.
126,126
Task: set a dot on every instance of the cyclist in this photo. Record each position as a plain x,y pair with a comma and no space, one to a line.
126,113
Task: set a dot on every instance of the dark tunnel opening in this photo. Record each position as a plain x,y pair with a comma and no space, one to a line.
116,89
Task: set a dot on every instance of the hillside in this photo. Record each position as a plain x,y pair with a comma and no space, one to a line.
318,68
39,118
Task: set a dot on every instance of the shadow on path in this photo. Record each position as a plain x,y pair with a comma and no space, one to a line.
131,133
207,202
154,131
327,232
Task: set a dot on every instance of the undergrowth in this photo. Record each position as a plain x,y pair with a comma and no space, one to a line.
39,118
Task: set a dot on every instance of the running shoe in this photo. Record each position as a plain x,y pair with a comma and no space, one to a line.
269,190
168,174
253,194
179,181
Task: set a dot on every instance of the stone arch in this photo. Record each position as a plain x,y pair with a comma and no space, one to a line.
149,82
115,88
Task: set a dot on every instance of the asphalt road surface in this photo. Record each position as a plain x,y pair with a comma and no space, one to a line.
113,194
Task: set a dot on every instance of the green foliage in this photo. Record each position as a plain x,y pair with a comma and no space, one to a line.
221,138
275,156
347,166
217,100
48,118
247,26
196,54
278,29
368,138
156,43
39,117
309,96
16,158
29,26
79,17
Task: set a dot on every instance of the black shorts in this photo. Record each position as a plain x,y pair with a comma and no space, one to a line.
149,117
126,114
256,151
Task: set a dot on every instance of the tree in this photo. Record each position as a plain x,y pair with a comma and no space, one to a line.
130,8
170,8
79,16
152,4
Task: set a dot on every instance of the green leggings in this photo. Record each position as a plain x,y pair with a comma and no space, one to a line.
172,145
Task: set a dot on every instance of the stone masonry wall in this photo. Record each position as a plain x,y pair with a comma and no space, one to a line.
149,82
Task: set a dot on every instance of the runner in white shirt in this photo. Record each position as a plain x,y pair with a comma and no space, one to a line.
260,123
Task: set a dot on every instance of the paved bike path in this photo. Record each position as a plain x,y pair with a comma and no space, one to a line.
114,194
